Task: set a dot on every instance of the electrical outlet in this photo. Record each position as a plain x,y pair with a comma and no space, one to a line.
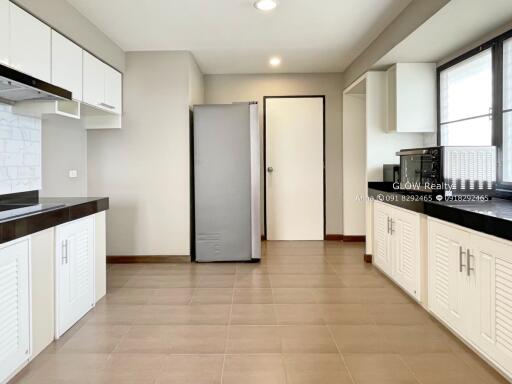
73,173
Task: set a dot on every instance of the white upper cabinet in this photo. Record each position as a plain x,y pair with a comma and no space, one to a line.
4,32
412,97
67,65
113,89
30,44
102,85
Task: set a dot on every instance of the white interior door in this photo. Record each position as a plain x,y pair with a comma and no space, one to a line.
294,168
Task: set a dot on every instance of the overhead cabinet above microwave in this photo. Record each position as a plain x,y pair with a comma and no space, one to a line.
412,97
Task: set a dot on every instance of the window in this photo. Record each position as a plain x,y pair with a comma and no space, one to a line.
466,101
475,102
507,111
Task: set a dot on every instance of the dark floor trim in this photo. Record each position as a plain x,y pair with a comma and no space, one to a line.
333,237
368,258
147,259
354,239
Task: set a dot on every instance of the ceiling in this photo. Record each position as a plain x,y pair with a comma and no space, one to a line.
454,27
231,36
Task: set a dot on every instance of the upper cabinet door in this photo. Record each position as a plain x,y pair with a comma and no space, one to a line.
412,93
30,44
113,90
4,32
94,80
67,65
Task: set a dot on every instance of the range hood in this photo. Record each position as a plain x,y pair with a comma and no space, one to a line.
17,86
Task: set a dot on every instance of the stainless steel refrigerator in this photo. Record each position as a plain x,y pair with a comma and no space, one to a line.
225,183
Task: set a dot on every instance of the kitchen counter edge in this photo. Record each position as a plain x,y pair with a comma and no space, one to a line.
485,220
73,208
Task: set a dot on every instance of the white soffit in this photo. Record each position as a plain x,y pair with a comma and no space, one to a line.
454,27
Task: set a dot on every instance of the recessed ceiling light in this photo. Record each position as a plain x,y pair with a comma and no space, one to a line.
275,61
265,5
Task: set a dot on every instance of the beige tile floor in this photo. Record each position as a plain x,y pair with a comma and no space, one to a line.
310,312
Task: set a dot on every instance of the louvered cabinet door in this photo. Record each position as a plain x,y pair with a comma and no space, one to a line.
14,307
406,251
491,281
447,280
381,245
75,272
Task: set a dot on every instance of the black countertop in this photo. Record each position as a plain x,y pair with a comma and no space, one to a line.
32,214
493,217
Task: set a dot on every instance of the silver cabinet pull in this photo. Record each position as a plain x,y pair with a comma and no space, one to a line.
107,105
469,256
270,169
391,222
65,256
389,218
462,253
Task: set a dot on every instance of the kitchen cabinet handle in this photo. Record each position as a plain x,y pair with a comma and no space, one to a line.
388,223
107,105
469,256
391,230
461,255
64,257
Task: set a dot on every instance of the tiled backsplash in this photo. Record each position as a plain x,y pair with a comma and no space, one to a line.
20,152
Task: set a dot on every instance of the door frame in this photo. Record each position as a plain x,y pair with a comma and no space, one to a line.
264,236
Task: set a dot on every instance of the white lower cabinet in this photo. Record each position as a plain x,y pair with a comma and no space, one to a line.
397,245
74,272
14,306
470,288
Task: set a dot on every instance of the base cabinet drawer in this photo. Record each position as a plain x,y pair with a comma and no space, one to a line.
397,245
470,288
14,307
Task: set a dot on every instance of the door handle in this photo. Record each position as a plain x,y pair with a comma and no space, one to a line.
270,169
469,256
388,223
461,254
391,222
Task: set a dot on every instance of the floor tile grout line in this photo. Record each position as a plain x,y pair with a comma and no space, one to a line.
409,368
341,354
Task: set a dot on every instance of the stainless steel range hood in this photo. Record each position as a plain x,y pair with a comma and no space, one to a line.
17,86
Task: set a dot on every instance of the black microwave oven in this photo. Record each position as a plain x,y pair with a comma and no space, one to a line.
449,171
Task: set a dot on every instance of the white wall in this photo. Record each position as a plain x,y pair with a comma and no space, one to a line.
144,167
354,163
233,88
64,148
